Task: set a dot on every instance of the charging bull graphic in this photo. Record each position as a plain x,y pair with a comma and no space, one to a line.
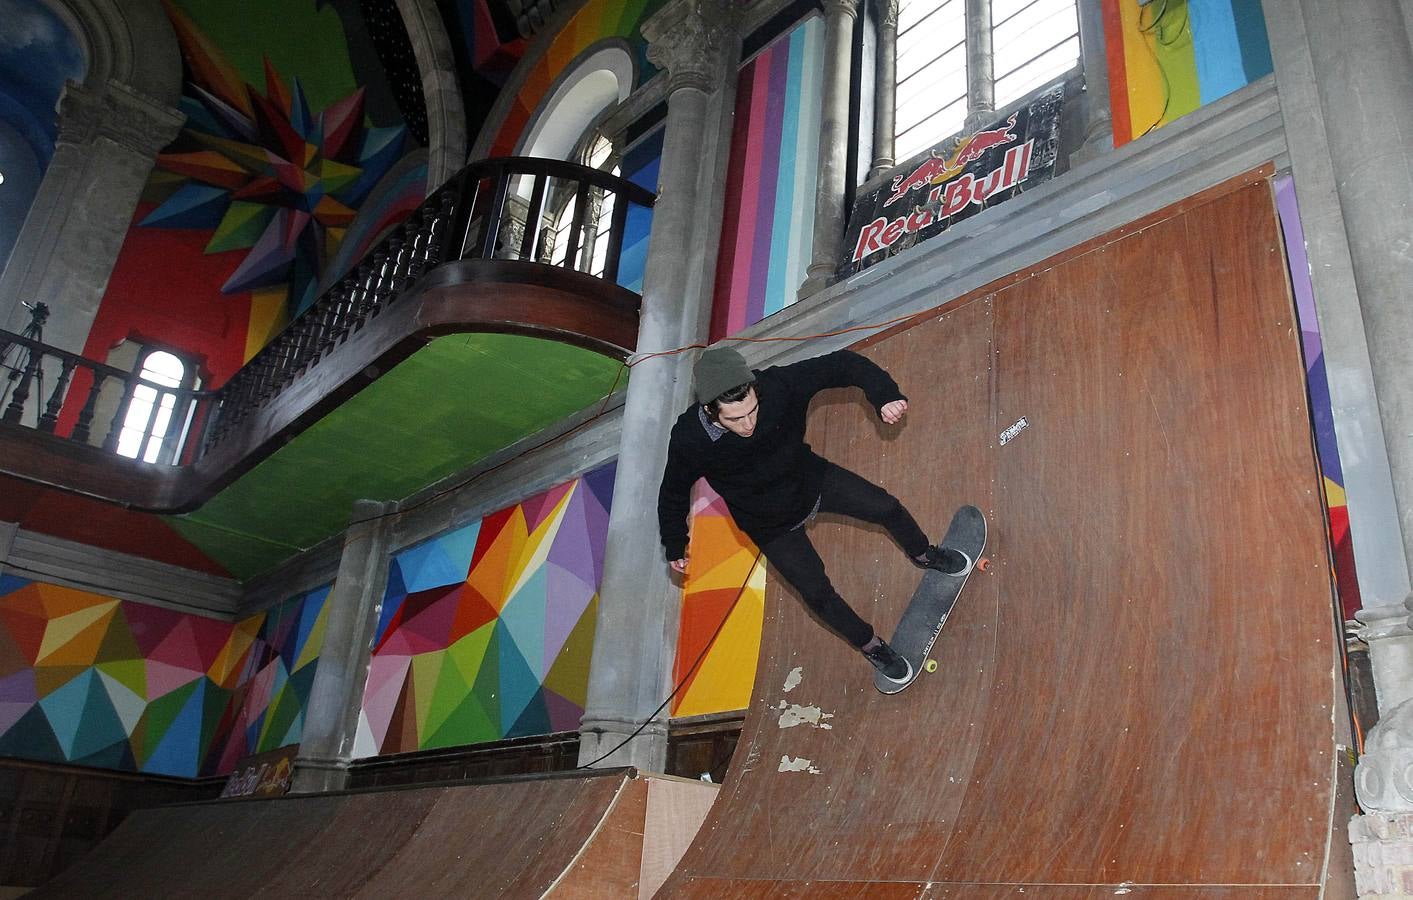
941,188
937,169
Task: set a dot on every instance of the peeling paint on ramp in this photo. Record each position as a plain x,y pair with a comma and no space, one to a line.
792,714
790,764
793,679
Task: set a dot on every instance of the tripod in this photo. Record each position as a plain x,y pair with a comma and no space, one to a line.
23,360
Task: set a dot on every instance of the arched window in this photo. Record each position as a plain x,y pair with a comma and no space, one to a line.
1032,42
148,431
593,239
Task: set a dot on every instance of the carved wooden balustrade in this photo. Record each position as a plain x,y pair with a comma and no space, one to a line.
517,245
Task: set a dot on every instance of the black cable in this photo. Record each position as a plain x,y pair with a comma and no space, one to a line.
680,684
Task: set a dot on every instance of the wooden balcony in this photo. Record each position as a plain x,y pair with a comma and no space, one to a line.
483,254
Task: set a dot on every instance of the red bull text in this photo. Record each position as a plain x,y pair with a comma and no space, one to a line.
947,199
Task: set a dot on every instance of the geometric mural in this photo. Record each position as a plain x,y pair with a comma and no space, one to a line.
282,644
96,681
1318,385
270,175
725,579
1167,59
767,221
485,631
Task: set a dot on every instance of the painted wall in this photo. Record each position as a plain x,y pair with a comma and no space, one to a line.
96,681
641,163
593,22
723,604
1168,57
295,155
37,55
1321,411
769,214
486,630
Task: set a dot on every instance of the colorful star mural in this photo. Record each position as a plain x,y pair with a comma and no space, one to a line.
269,174
486,630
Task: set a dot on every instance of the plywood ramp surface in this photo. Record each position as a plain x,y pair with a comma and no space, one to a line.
1137,696
577,836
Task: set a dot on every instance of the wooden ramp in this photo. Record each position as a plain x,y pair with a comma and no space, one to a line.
580,835
1138,698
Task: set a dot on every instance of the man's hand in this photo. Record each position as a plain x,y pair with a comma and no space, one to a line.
679,566
892,413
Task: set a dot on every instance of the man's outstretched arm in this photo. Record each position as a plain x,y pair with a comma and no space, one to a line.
845,368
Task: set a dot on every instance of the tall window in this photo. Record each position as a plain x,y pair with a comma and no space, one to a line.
148,432
1032,43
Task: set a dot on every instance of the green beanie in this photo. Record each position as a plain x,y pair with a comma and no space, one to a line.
718,370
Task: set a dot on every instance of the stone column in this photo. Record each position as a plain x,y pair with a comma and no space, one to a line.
336,696
8,530
885,89
1098,117
108,141
829,212
981,69
636,630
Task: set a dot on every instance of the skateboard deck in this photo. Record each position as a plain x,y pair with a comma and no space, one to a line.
935,597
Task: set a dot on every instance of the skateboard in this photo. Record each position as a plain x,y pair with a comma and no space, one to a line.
935,597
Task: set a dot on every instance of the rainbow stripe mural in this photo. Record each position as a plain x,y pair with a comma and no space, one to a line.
485,631
725,580
769,214
97,681
1321,412
595,20
1168,57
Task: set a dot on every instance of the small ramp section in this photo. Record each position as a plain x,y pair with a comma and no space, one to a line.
573,835
1137,698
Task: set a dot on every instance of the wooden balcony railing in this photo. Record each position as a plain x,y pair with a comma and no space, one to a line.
513,244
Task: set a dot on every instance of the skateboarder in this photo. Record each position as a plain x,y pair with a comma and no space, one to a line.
746,435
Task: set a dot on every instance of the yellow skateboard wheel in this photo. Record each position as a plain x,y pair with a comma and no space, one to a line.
930,665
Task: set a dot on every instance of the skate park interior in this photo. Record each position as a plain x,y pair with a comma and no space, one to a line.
393,620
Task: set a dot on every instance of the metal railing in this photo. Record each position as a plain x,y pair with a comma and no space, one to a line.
515,208
40,381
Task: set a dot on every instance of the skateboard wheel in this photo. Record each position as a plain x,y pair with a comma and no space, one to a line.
930,665
983,563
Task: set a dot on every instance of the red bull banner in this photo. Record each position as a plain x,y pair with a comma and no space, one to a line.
954,180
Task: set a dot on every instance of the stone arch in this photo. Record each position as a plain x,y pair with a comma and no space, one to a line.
599,78
441,88
130,42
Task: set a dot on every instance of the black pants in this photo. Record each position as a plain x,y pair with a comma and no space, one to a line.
796,560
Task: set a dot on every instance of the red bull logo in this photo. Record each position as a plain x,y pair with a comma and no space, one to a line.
946,200
936,169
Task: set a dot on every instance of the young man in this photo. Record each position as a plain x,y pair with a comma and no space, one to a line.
746,435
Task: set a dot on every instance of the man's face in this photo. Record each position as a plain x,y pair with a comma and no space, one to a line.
740,417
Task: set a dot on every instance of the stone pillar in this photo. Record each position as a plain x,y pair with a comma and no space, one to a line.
1098,117
336,696
108,141
8,530
829,213
885,89
981,71
636,630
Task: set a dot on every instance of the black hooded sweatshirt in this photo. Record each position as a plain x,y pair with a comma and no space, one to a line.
770,480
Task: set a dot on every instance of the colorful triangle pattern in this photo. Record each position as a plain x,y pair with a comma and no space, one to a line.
486,630
97,681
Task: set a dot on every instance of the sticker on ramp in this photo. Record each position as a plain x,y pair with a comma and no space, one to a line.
1010,434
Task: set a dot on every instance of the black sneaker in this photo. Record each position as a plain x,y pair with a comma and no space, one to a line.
946,560
886,660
